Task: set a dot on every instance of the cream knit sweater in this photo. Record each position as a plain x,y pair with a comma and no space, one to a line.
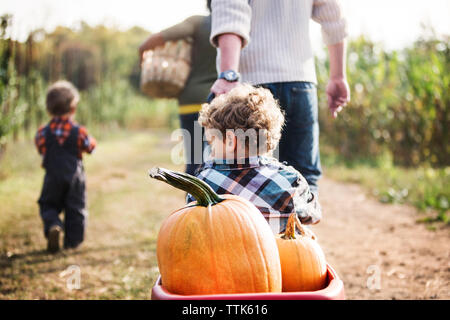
277,45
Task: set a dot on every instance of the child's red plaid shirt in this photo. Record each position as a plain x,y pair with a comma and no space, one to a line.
60,127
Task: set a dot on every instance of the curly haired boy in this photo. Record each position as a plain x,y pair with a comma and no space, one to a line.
243,128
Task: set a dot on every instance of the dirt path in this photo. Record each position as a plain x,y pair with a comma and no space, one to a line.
118,259
380,246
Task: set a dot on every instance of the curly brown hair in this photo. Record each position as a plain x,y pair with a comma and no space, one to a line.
245,107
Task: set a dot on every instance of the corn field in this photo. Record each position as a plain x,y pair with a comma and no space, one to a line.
399,107
400,104
103,64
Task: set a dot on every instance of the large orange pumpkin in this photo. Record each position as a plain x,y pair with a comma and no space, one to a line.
303,264
219,244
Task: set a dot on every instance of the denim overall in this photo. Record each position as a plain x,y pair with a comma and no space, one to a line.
64,188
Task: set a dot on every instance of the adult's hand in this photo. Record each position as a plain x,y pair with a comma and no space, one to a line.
222,86
151,43
338,93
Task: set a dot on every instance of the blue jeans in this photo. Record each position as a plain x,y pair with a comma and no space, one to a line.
299,144
193,144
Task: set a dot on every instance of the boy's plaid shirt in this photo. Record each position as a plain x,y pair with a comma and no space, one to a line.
61,128
276,189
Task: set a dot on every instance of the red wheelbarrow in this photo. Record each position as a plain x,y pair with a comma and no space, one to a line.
333,291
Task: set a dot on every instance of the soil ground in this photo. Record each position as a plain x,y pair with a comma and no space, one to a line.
379,250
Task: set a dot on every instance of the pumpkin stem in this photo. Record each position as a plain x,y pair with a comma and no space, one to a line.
293,222
199,189
289,233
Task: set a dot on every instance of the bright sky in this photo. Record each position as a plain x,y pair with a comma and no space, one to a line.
394,22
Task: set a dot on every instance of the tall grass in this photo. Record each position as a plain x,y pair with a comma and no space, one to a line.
424,187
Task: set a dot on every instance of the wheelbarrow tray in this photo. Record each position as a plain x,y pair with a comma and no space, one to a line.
333,291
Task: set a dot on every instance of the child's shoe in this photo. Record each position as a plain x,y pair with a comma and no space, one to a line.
53,239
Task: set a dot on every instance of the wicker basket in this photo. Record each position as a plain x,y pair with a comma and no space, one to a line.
165,69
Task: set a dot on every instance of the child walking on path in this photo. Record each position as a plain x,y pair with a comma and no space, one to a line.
61,144
243,127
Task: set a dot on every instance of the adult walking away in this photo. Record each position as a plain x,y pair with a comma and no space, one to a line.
268,42
202,76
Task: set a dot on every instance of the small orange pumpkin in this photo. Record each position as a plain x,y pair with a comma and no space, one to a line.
303,264
219,244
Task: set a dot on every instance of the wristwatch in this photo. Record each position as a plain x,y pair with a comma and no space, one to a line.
230,76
